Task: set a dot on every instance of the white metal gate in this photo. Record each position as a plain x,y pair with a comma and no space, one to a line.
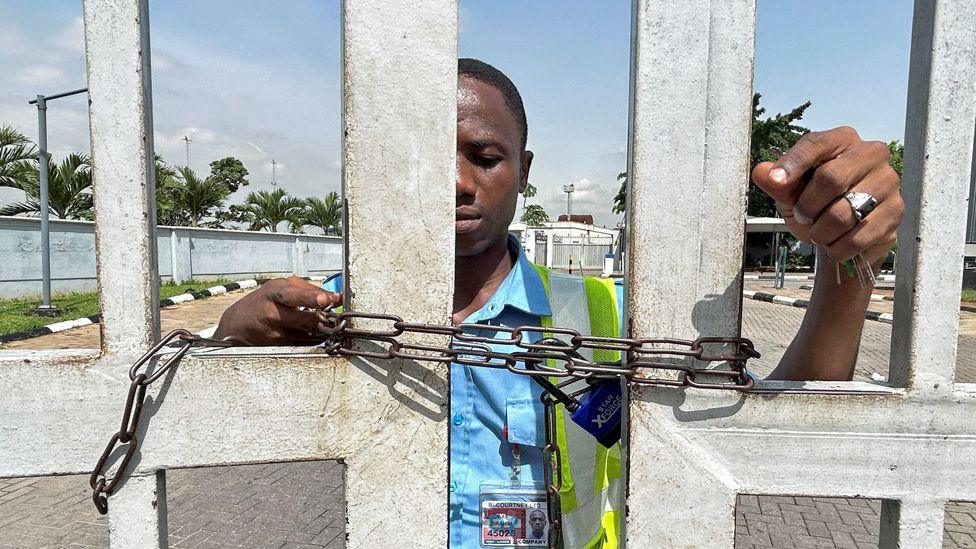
582,255
690,451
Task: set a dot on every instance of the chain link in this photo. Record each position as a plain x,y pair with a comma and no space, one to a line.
670,362
102,487
551,356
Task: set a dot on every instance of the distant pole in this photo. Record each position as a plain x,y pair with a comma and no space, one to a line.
568,189
274,166
45,206
187,140
45,309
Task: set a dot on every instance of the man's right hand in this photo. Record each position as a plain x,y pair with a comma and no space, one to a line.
270,315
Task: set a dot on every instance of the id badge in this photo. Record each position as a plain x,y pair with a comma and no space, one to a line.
514,514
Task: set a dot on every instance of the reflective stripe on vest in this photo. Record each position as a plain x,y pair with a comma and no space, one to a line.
591,499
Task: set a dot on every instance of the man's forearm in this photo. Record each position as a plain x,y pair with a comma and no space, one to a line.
825,347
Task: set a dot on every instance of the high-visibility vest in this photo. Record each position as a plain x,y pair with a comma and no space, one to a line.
591,496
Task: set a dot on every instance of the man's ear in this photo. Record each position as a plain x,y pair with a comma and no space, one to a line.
526,164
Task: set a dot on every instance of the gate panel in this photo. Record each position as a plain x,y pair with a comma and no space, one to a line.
386,419
692,98
691,451
938,160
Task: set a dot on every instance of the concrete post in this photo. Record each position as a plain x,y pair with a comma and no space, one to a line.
938,148
120,115
137,513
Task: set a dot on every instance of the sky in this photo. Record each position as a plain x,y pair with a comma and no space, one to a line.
261,80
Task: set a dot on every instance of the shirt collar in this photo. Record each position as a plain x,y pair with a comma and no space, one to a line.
522,289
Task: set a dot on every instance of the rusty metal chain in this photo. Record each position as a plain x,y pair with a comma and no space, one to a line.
102,487
665,361
554,361
552,470
549,355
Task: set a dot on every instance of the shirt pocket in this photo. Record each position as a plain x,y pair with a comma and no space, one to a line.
525,422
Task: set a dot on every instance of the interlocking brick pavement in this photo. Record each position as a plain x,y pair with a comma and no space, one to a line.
772,327
788,522
301,504
266,505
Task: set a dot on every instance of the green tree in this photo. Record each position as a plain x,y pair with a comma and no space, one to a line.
268,209
534,215
325,214
529,192
200,198
183,199
775,132
620,201
296,225
17,156
229,172
167,184
897,151
69,190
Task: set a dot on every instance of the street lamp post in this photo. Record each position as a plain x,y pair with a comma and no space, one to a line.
45,309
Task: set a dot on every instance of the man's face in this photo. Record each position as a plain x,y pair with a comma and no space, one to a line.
537,520
491,168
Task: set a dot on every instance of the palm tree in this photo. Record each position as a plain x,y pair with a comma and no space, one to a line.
196,198
296,224
167,210
17,156
325,214
620,201
69,190
268,209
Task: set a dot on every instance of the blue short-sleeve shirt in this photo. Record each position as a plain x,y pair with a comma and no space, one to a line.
486,400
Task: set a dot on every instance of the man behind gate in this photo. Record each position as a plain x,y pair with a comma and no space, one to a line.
822,188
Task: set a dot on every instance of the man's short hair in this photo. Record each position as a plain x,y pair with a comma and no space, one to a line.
483,72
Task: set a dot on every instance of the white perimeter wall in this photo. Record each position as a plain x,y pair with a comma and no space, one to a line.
183,252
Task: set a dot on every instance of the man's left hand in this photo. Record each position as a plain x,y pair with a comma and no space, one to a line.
810,181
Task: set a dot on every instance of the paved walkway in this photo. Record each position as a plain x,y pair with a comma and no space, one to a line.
772,327
192,315
301,504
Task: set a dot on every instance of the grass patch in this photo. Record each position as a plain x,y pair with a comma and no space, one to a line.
969,295
15,314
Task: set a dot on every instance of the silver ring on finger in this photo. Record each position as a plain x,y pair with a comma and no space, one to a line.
861,204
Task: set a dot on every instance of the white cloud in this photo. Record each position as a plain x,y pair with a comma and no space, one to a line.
163,61
39,75
70,38
589,197
12,42
250,107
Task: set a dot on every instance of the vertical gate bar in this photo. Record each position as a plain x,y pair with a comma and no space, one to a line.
120,114
938,154
137,513
692,98
399,117
691,119
912,524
